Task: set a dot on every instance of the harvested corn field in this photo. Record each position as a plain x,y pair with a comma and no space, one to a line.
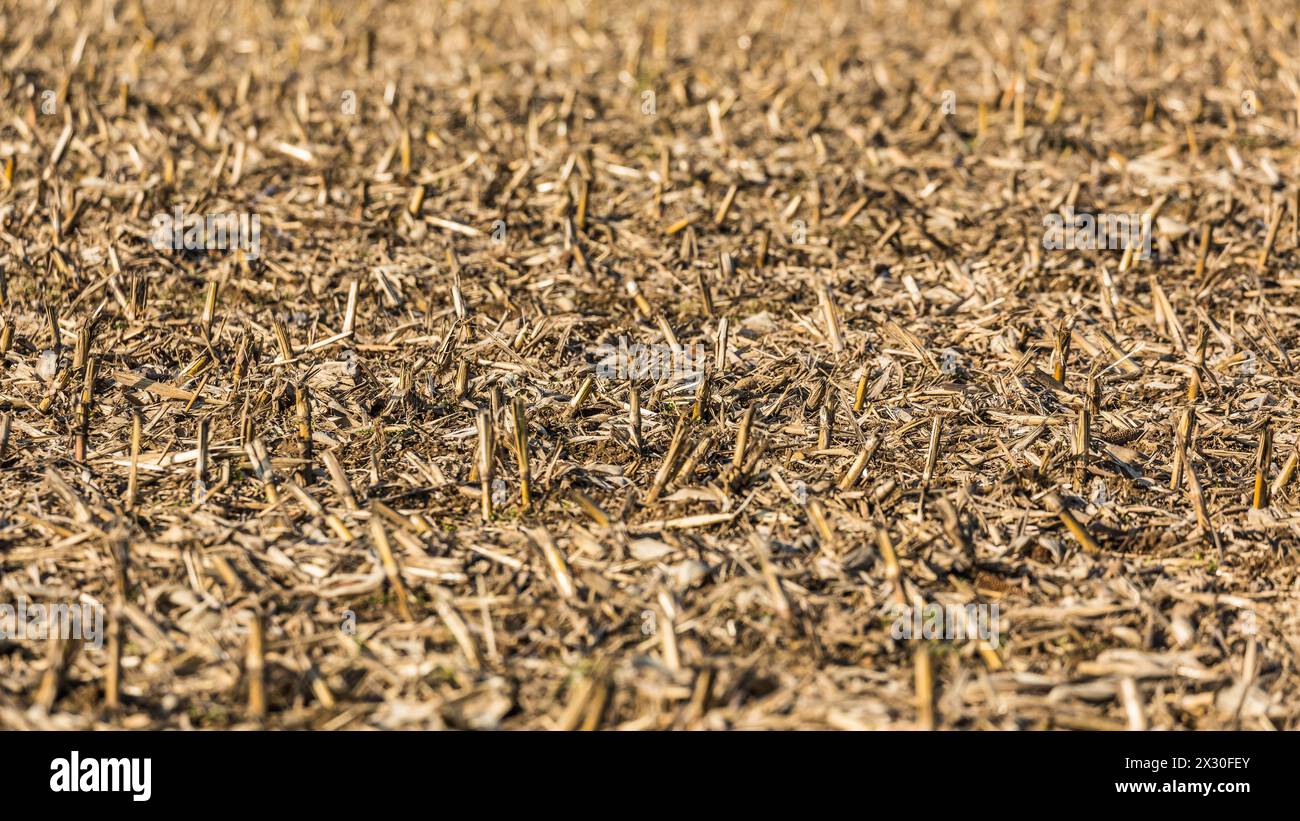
621,365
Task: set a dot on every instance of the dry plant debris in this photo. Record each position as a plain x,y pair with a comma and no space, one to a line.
625,365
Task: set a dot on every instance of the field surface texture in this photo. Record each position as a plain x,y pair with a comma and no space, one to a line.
649,365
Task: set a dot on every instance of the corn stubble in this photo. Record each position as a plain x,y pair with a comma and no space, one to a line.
372,477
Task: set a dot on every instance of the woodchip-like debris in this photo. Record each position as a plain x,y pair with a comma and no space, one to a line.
379,473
